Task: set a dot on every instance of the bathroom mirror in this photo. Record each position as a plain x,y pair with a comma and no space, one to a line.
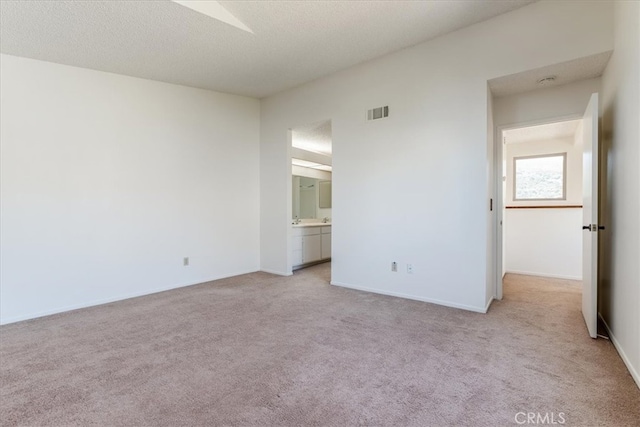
324,197
311,198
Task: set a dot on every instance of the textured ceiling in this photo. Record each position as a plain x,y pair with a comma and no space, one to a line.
215,10
293,42
564,72
544,132
314,137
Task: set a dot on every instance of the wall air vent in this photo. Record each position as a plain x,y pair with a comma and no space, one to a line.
378,113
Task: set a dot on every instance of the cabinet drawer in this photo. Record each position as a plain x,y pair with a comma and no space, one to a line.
310,231
326,230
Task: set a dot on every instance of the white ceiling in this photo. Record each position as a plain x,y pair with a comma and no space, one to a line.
293,42
558,130
215,10
564,72
314,137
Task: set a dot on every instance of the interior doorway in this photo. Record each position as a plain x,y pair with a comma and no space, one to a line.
539,200
559,192
311,194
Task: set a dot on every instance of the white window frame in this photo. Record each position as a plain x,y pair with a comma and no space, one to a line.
564,176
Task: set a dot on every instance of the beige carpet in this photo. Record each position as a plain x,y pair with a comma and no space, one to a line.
261,350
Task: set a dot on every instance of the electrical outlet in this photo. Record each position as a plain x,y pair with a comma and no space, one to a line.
394,266
410,268
185,261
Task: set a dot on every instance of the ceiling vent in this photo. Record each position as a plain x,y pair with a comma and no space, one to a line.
378,113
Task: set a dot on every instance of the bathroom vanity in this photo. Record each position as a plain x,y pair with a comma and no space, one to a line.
311,243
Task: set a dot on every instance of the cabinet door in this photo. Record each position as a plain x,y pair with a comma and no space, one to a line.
296,250
297,258
296,243
311,248
326,246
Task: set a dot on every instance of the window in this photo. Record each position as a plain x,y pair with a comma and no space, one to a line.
540,177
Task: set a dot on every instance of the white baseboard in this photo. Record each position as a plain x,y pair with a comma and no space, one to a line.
553,276
277,273
623,355
486,308
413,297
94,303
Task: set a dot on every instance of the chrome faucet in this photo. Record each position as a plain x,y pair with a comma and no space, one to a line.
325,219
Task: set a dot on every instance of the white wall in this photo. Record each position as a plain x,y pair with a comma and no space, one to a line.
567,145
413,188
545,242
109,181
568,100
620,192
491,288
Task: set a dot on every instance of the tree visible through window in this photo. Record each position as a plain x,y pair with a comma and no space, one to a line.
540,177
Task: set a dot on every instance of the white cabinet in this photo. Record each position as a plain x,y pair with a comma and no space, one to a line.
310,244
311,248
296,250
326,242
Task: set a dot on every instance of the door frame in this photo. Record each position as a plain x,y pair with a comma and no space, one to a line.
498,153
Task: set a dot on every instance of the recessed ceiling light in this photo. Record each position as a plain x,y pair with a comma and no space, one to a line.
546,80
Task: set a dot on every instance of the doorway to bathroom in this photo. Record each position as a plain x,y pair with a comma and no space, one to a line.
311,194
